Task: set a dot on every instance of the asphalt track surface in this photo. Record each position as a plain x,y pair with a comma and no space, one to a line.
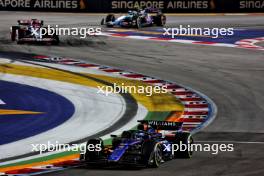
233,78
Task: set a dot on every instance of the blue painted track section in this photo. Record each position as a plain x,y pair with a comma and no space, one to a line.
239,34
56,110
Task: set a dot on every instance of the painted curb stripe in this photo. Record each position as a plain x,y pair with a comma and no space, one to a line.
250,43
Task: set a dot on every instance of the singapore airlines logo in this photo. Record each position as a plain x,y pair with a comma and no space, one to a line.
14,112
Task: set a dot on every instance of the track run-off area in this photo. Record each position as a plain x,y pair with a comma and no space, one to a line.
199,78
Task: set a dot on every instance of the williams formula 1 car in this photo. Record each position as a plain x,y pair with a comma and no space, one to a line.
138,19
28,31
144,147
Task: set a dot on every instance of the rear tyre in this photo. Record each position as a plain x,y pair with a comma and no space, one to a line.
152,154
102,21
160,20
126,134
138,23
183,138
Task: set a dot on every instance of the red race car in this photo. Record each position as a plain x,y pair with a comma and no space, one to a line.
29,31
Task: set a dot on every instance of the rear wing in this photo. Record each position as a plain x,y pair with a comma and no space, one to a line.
162,125
152,10
28,22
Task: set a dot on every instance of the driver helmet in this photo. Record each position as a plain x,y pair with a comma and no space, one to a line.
35,24
142,127
130,12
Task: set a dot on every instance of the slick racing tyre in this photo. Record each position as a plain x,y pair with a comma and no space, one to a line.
152,154
94,155
109,18
19,35
115,142
102,21
126,134
183,138
160,20
56,40
139,23
13,33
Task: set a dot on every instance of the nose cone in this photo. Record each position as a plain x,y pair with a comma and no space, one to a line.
118,153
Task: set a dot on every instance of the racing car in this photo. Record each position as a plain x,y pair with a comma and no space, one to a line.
136,18
146,146
28,31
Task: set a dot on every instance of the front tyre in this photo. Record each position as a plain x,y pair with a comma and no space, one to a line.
109,20
19,35
94,155
116,142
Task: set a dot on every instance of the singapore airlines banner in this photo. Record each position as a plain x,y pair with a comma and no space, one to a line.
44,5
173,6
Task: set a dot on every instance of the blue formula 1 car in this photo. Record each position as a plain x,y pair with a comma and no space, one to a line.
144,147
137,19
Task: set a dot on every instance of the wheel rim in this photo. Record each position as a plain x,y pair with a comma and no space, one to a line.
138,23
163,20
190,142
16,38
158,154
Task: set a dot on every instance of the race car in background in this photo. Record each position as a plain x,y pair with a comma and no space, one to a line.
138,19
28,31
144,147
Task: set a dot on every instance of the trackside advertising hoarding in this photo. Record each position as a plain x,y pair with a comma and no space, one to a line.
105,6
